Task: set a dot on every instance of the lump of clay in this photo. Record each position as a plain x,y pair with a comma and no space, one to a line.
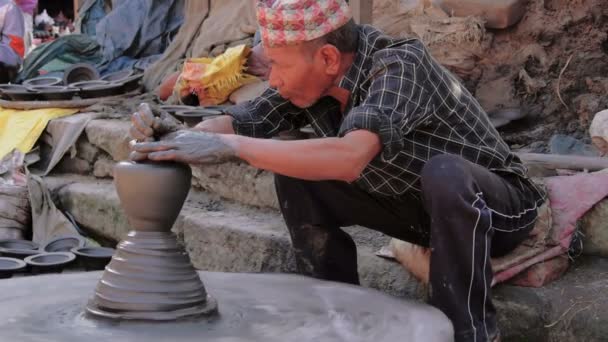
599,131
497,13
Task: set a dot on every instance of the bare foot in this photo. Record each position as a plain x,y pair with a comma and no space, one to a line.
415,259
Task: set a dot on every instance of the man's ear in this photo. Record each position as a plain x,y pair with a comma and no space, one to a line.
331,57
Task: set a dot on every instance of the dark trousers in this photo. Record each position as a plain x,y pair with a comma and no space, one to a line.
466,214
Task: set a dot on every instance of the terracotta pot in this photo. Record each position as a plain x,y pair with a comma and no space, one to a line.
80,72
43,81
152,194
63,243
49,262
117,76
193,117
10,266
93,258
19,244
54,93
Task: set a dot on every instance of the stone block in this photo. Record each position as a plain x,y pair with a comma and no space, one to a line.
103,168
87,151
496,13
73,165
112,136
238,182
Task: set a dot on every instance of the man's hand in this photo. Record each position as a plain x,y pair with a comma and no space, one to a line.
145,126
188,147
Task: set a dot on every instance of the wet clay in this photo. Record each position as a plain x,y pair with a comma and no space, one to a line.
150,277
254,307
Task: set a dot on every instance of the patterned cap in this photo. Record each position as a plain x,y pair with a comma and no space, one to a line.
288,22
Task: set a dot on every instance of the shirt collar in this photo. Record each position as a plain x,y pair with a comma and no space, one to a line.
351,77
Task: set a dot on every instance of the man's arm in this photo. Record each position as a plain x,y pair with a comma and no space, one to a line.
221,125
314,159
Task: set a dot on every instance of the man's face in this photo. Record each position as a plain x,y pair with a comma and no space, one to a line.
298,73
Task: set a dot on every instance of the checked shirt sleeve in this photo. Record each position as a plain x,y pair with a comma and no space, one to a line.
396,101
265,116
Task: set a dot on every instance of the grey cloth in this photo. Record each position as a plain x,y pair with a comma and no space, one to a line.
47,220
138,28
61,134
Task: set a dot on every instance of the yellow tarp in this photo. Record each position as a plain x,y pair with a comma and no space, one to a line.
214,79
21,128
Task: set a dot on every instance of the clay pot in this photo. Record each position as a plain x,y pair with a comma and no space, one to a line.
18,244
88,84
151,276
193,117
18,93
4,87
43,81
10,266
63,243
172,109
54,93
152,194
80,72
18,249
130,83
117,76
110,89
18,253
49,262
93,258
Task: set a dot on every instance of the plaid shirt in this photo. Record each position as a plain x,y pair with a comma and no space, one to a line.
416,107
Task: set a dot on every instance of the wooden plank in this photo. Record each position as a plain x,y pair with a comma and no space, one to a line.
556,161
362,10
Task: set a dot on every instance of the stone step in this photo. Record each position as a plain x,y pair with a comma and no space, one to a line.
221,235
105,141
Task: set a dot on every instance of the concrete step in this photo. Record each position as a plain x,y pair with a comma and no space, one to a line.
221,235
105,141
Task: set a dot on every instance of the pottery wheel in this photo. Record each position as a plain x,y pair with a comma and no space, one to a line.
252,307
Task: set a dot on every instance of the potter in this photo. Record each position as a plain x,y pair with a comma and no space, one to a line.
404,149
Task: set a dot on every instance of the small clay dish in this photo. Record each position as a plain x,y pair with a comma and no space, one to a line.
18,244
10,266
130,83
63,243
49,262
173,109
117,76
80,72
53,93
19,93
93,258
43,81
18,253
192,117
4,87
109,89
88,84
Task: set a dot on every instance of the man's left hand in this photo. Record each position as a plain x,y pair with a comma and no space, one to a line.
188,147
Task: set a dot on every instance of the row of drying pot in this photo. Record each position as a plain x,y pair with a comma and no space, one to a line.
52,89
23,256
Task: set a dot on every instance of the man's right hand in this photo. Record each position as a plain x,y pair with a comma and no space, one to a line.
145,126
